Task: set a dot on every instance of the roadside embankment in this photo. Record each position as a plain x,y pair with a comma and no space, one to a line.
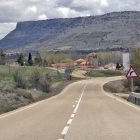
117,88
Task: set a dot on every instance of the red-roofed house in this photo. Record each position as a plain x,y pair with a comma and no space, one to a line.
12,64
85,63
110,66
79,61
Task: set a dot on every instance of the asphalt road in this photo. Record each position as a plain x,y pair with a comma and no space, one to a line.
95,116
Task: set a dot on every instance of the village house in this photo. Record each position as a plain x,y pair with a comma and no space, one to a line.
92,61
12,64
110,66
79,61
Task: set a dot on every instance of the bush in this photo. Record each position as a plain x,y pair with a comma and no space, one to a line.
35,78
45,82
4,104
19,79
67,60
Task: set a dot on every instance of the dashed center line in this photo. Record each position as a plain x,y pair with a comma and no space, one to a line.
80,98
72,115
69,121
75,110
65,130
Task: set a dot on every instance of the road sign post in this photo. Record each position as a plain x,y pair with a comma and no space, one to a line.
67,74
131,74
131,84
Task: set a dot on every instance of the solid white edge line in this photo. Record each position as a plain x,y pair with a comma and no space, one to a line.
128,104
34,104
64,132
69,121
117,98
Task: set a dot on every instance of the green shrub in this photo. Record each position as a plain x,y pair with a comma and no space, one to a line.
4,104
45,82
20,81
35,77
68,60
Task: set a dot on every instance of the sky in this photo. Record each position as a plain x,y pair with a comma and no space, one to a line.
13,11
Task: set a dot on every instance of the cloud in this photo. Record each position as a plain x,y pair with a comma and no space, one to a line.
13,11
89,4
33,9
42,17
67,12
24,10
6,28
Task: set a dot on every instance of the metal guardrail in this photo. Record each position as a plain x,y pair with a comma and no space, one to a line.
135,98
134,94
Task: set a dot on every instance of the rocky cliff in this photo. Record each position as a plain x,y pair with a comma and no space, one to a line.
118,28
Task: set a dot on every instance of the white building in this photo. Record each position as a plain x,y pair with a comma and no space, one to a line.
126,62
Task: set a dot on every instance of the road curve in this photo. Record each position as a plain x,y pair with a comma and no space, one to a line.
81,111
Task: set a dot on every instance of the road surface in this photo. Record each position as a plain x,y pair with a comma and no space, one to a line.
82,111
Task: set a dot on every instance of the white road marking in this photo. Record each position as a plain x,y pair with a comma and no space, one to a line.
69,121
76,101
117,98
64,132
72,115
34,104
73,106
128,104
60,139
80,98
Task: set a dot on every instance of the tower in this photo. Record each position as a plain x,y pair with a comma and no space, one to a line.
93,59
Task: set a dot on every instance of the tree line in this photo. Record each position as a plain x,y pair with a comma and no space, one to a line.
43,58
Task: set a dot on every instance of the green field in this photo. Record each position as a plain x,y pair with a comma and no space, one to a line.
6,79
87,38
12,97
104,73
64,48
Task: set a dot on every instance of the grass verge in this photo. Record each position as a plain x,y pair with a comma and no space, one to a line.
105,73
11,98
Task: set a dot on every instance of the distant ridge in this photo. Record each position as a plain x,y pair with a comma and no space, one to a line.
117,28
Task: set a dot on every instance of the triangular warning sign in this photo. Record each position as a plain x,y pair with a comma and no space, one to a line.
131,73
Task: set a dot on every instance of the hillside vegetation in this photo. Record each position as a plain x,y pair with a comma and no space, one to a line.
13,97
112,29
